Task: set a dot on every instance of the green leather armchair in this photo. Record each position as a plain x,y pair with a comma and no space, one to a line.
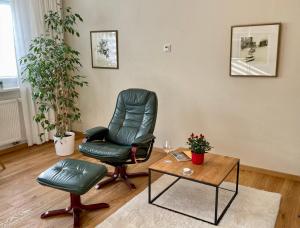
128,139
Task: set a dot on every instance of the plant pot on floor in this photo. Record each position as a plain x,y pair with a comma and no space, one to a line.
197,159
65,146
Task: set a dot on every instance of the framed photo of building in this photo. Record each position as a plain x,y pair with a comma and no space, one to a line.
104,49
254,50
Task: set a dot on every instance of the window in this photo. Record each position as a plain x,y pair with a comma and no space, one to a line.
8,65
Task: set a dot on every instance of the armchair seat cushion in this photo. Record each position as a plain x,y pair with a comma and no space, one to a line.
105,151
74,176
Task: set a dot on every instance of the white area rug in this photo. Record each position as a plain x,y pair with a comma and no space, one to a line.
251,208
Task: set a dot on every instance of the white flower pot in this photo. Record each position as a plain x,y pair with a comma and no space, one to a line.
65,146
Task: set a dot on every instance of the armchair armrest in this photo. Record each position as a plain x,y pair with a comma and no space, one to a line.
96,133
143,140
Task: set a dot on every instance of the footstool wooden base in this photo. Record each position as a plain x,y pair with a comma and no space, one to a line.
74,209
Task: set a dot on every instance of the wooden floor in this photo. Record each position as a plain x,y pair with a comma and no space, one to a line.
23,199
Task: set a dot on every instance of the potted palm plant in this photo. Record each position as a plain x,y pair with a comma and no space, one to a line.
51,68
198,146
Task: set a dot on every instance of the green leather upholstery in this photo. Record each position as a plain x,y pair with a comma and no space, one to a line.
143,140
134,116
132,124
74,176
96,133
107,150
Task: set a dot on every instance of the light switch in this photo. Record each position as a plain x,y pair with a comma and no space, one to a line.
167,48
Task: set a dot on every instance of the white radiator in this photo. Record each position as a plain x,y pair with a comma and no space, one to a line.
10,126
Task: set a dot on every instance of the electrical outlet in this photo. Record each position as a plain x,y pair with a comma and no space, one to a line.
167,48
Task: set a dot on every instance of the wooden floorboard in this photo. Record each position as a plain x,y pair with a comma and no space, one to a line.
23,199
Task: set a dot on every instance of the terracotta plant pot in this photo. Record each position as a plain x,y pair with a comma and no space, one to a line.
197,159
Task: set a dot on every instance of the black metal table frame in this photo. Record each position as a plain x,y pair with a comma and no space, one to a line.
216,218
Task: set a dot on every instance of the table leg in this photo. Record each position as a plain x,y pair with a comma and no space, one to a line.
237,178
149,186
233,197
216,205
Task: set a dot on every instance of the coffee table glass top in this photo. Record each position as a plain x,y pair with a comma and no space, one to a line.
213,171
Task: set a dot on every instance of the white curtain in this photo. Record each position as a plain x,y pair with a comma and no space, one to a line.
28,16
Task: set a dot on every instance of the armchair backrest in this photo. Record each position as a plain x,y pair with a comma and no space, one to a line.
134,116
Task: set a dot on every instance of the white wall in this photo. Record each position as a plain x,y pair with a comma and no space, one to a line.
255,119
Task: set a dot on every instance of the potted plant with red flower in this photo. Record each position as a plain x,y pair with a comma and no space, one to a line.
199,146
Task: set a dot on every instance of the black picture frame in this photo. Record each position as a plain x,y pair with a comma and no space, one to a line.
249,66
100,48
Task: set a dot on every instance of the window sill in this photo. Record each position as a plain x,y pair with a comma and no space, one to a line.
11,89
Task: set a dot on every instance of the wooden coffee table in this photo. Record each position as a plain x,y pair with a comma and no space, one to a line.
212,172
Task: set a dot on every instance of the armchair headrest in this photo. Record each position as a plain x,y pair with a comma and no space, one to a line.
134,116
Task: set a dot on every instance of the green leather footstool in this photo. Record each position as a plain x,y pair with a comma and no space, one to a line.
76,177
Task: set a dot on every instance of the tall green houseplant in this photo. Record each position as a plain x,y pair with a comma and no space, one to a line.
51,68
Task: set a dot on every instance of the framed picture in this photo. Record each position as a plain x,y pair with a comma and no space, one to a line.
104,49
254,50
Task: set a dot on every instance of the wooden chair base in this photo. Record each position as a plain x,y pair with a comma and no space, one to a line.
120,173
74,209
2,165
